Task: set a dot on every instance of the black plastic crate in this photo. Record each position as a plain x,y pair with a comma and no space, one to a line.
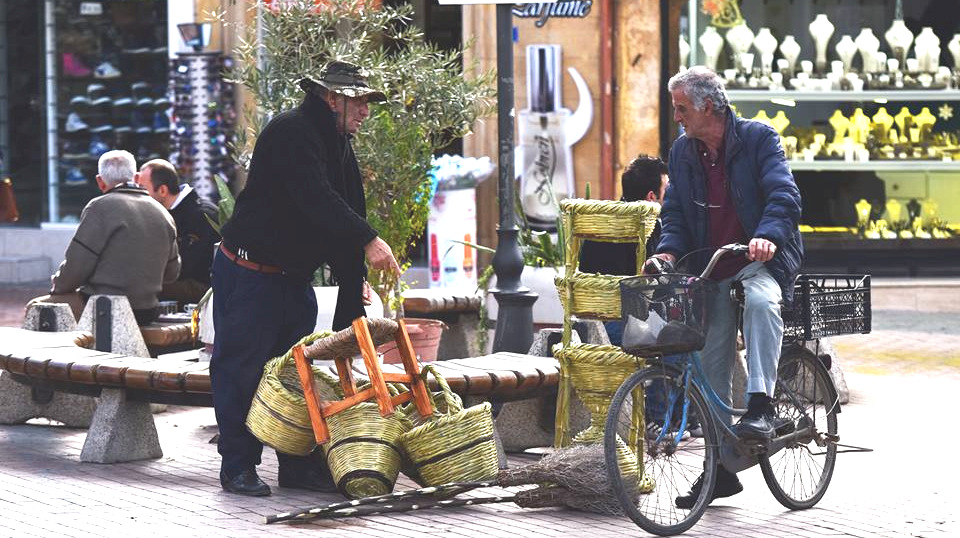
828,305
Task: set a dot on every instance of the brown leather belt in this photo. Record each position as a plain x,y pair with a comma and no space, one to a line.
247,264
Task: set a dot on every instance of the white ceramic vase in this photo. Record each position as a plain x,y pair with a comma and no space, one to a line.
766,45
740,38
927,49
791,52
712,44
846,49
954,47
899,38
868,45
684,49
821,30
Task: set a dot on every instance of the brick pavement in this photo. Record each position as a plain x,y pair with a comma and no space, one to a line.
900,406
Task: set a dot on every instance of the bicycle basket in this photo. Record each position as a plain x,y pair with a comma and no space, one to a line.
663,314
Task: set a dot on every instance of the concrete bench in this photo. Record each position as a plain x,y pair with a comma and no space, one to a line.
122,428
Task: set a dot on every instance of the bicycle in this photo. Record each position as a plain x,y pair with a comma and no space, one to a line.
797,464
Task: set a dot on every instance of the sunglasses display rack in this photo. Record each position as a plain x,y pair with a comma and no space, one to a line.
203,120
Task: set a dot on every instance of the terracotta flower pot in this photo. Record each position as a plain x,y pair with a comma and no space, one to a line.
425,337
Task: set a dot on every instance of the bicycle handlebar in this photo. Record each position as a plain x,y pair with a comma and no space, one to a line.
732,247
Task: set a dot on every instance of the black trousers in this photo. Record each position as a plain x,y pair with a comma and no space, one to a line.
256,316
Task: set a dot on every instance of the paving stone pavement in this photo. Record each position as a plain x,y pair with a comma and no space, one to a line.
902,382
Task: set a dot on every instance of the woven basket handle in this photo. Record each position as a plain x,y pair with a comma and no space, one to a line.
454,405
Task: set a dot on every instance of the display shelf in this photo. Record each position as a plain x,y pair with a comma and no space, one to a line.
746,96
874,165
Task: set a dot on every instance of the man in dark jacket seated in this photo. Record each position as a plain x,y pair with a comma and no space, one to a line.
195,236
730,183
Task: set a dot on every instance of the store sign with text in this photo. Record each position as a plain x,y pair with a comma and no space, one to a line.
569,9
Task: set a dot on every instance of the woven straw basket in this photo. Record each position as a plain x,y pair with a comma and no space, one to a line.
606,220
278,414
455,444
364,450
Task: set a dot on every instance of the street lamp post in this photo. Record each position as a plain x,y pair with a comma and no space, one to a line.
514,331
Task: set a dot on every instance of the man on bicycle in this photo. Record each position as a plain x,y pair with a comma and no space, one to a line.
730,183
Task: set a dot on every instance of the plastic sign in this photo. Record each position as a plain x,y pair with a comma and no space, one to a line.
468,2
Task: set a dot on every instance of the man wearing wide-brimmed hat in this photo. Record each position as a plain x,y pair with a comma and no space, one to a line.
303,206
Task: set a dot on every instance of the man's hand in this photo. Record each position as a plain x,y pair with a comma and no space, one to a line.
651,267
380,256
367,294
761,250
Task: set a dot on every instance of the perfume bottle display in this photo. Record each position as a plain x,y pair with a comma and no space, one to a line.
547,133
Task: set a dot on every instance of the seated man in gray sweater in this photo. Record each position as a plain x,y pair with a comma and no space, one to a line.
125,244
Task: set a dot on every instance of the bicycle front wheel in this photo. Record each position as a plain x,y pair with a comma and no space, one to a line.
671,461
802,456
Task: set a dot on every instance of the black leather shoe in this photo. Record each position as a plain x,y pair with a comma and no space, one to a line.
315,478
245,483
755,427
727,485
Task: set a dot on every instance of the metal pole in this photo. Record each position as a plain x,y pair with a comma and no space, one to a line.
514,331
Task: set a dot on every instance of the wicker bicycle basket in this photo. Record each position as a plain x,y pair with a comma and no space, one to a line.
453,445
664,314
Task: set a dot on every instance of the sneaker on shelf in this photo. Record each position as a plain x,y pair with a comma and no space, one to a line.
106,70
74,177
73,67
74,150
97,146
79,102
161,123
95,91
102,102
139,90
74,123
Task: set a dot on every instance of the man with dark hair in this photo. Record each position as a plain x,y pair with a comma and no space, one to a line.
195,236
644,179
303,206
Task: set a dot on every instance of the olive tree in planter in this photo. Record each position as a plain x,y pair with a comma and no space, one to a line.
430,101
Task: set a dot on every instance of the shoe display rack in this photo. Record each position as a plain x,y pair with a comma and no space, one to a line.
204,117
108,87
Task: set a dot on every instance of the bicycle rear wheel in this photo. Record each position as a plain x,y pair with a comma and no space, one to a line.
802,456
672,462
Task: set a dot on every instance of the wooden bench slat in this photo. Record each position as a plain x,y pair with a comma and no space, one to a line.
111,372
464,380
197,382
175,379
166,334
528,377
504,379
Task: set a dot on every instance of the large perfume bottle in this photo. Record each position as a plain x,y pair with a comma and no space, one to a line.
544,128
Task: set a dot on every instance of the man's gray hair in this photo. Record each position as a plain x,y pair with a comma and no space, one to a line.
699,84
116,166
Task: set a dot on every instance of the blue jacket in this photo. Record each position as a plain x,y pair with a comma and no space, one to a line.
763,190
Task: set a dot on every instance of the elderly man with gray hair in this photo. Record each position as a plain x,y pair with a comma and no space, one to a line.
125,244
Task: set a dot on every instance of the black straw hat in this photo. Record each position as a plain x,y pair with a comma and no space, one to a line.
345,79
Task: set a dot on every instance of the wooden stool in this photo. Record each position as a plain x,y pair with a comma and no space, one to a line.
377,390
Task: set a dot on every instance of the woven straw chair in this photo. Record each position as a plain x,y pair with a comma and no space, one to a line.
362,336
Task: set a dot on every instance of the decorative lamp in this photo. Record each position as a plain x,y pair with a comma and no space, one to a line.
195,34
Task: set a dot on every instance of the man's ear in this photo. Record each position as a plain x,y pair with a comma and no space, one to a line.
100,184
651,196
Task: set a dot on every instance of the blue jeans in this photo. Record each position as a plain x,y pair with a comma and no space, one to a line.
256,316
762,333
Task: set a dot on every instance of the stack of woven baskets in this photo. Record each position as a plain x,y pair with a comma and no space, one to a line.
366,450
